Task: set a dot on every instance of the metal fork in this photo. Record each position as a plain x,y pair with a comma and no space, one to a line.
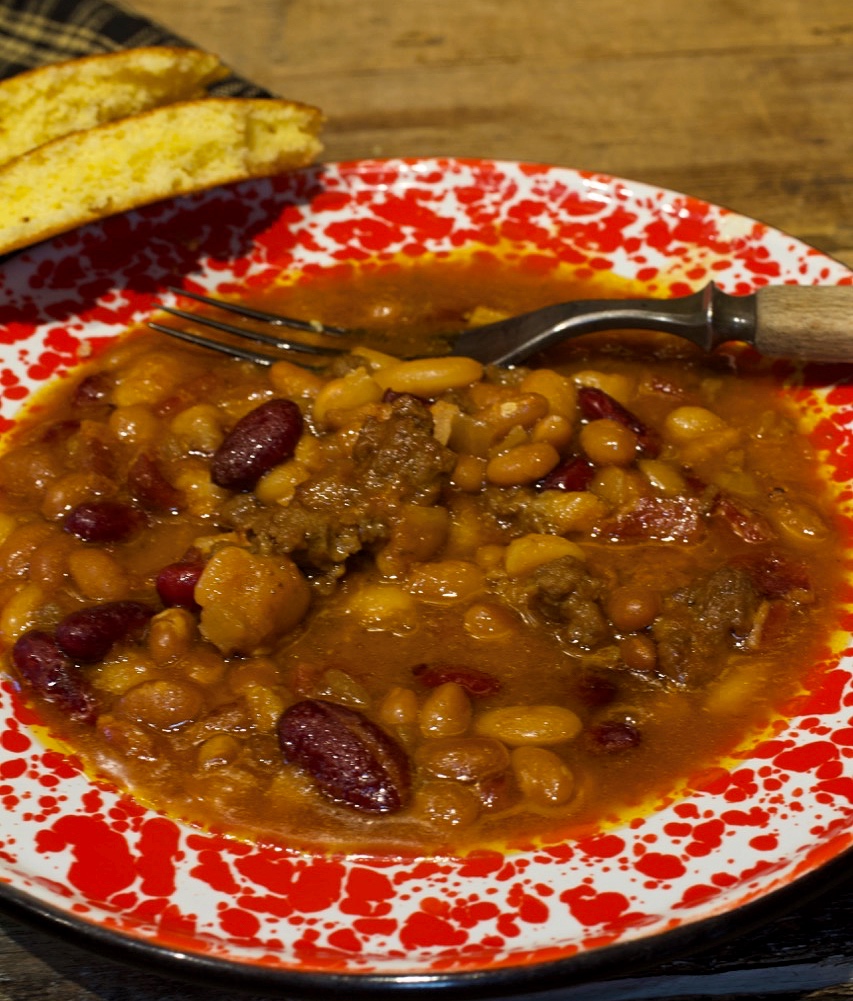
796,321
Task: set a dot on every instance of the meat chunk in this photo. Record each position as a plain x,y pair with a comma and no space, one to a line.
702,623
564,591
399,456
353,504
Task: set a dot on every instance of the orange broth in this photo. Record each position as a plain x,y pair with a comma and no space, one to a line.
538,657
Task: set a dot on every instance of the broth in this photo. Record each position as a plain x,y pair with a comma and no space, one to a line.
455,608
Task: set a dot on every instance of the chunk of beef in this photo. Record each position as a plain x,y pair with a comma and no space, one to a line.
702,623
353,504
399,457
565,592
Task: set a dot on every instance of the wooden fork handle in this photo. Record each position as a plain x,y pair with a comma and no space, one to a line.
813,322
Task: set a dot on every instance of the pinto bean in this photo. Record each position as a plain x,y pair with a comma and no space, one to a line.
595,404
632,607
351,759
96,574
164,704
447,804
639,652
542,775
263,438
527,553
428,377
464,759
524,463
607,442
446,711
534,724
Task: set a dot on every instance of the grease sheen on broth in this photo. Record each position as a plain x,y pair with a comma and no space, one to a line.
515,603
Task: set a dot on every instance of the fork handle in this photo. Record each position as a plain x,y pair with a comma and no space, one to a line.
813,322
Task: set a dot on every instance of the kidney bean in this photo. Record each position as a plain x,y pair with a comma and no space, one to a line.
47,669
263,438
150,488
746,524
59,432
594,404
774,574
476,683
594,689
91,455
350,758
88,634
665,518
104,521
92,389
176,582
573,473
613,736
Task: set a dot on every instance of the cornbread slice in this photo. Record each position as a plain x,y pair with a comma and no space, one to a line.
51,101
172,150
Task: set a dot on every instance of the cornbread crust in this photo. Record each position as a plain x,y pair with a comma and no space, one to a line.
168,151
51,101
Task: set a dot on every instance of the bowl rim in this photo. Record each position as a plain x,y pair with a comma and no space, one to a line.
692,939
199,967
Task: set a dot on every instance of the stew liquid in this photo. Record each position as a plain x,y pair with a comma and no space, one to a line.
413,606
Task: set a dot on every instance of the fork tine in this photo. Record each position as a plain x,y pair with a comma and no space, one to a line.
281,343
273,319
246,354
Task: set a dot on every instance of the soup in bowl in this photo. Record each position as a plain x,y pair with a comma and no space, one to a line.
463,651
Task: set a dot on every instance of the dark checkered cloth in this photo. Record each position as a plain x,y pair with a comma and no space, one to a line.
33,32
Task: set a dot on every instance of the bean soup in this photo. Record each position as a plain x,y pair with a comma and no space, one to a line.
413,605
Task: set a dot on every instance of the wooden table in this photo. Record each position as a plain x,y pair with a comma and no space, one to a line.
746,103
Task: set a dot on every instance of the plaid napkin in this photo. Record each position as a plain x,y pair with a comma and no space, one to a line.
33,32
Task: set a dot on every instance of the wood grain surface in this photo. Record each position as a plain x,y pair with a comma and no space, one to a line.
746,103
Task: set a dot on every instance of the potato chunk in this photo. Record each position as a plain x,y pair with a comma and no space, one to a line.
249,601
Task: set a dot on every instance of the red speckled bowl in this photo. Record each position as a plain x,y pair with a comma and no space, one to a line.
99,867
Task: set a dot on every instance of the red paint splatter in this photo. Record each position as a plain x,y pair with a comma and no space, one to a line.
807,756
367,893
590,907
103,864
602,846
660,865
239,923
422,930
157,854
